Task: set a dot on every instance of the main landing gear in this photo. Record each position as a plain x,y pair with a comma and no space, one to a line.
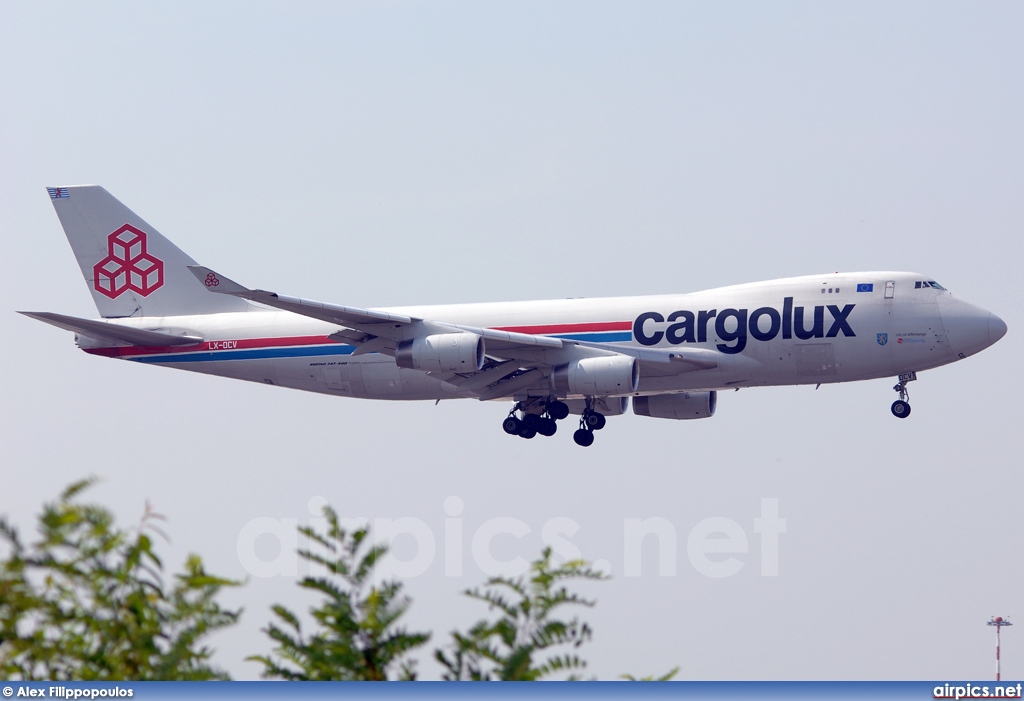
901,407
590,421
536,418
528,419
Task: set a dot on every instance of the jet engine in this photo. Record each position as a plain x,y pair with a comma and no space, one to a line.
442,352
686,405
613,374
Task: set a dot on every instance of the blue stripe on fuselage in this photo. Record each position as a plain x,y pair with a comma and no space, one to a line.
333,349
248,354
604,337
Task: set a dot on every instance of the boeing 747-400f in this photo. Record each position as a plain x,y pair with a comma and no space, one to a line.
551,358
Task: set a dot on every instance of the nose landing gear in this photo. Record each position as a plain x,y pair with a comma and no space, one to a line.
901,407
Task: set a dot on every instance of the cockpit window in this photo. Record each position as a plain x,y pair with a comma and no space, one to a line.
936,285
925,284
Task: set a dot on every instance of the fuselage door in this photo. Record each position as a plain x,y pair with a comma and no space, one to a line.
890,289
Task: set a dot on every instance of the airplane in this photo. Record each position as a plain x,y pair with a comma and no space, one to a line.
670,354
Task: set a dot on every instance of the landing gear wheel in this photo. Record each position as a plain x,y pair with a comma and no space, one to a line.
527,432
558,410
547,427
595,421
531,421
512,426
583,437
900,409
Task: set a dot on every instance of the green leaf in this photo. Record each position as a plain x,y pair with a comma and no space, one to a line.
356,633
86,602
528,626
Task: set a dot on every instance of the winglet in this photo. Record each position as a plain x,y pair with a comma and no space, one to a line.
215,282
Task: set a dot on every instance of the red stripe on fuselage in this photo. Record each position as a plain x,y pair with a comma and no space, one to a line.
244,343
208,346
570,328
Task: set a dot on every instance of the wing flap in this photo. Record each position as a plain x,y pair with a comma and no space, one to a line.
662,361
477,381
508,387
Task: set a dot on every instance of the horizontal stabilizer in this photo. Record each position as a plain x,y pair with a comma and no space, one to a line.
105,330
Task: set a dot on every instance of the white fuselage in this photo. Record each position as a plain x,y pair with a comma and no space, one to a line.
806,330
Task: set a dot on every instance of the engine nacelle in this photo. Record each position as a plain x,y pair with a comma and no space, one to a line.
442,352
609,406
613,374
687,405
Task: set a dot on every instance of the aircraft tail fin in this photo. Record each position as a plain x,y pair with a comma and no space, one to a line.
130,268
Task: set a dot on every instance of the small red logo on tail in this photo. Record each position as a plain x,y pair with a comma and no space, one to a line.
211,280
128,266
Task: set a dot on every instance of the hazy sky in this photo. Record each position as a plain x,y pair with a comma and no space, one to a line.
399,153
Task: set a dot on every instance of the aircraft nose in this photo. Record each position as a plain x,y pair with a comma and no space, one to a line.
970,329
996,328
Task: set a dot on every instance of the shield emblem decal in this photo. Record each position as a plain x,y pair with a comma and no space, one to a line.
883,338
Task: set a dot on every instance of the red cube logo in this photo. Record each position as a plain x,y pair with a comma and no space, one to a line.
128,266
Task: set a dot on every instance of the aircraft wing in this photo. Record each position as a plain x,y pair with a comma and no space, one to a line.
374,324
106,331
515,359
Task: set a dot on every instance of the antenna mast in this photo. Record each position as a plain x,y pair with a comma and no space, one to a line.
999,622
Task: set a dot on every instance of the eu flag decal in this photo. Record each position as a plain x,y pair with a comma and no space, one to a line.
866,287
